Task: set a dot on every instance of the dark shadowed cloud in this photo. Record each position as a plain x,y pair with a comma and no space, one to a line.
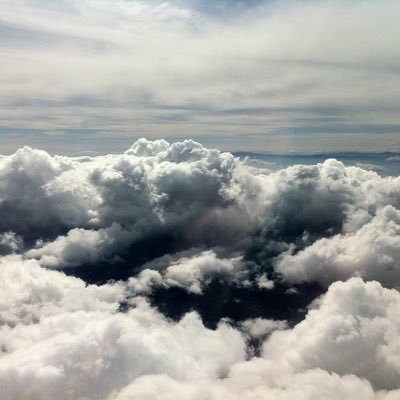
174,271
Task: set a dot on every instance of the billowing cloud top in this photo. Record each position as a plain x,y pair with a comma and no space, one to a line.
173,271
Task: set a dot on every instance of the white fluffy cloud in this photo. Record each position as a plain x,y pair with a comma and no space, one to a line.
158,199
191,273
82,246
98,206
353,329
346,347
29,293
372,252
62,338
182,216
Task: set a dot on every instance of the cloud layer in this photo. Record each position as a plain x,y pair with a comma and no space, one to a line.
287,280
69,340
255,75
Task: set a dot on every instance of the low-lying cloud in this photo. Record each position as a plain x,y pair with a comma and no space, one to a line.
97,254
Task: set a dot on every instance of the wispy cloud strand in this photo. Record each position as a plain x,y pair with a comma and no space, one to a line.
288,75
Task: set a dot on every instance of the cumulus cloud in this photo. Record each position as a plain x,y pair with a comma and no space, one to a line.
154,195
159,199
299,386
10,242
153,189
25,206
304,260
260,328
60,337
80,247
30,293
346,347
371,252
353,329
191,273
329,199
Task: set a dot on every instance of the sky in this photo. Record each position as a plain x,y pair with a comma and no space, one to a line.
88,77
146,252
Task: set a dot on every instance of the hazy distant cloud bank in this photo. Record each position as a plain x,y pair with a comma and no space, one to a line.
180,217
277,75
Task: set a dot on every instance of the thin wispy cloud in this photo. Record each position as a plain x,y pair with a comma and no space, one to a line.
176,69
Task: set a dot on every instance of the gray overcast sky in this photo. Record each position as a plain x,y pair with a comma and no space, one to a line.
266,76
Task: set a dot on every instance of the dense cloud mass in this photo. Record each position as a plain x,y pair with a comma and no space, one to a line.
173,271
372,252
